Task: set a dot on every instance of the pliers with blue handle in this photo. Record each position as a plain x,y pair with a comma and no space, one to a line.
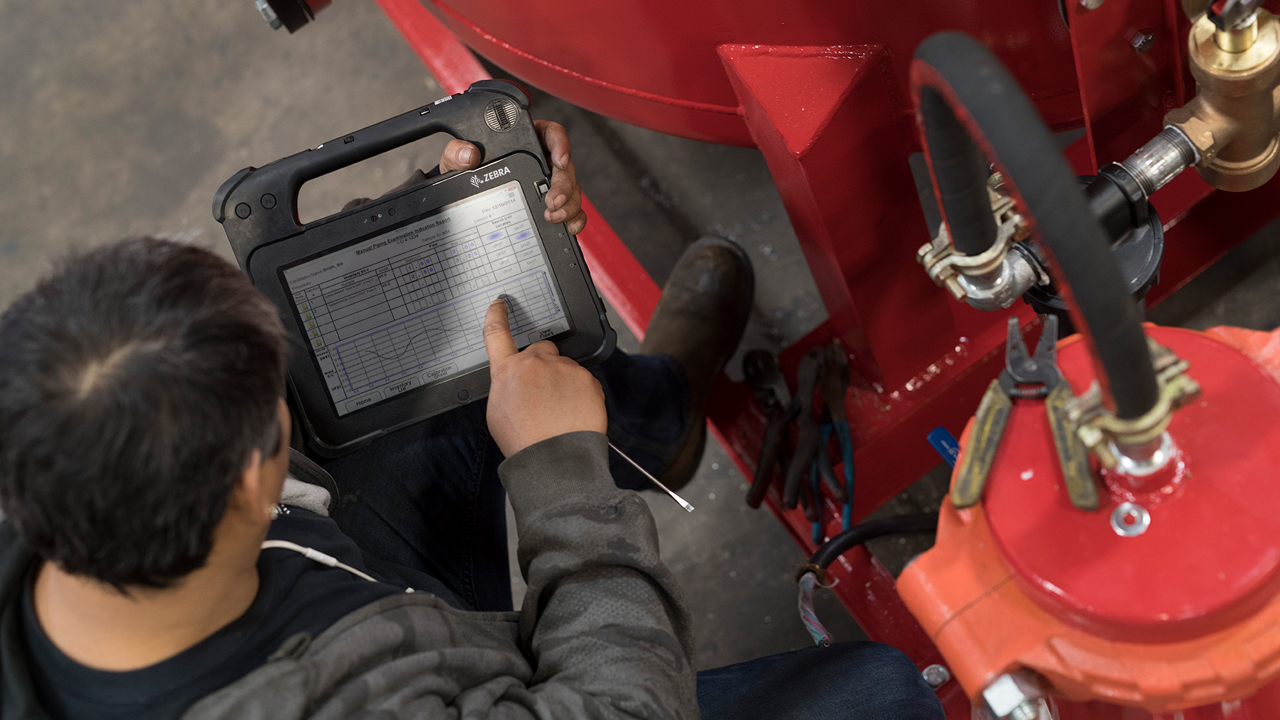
834,385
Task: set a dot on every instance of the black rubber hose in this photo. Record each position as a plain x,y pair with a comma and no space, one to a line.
997,114
870,530
961,173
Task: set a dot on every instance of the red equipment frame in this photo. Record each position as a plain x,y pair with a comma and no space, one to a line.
840,168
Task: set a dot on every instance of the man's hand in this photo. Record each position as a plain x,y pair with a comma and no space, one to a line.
564,199
536,394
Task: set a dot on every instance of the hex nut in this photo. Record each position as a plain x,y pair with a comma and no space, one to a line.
1009,693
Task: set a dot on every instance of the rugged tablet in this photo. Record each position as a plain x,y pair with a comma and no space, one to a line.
386,302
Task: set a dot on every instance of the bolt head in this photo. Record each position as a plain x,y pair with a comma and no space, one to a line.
936,675
1141,42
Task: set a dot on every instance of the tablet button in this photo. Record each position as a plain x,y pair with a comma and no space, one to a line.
365,401
545,333
402,386
243,210
434,374
463,395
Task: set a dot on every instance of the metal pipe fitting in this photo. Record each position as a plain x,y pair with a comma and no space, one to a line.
1161,159
1144,458
999,288
1143,441
995,277
1239,38
1234,120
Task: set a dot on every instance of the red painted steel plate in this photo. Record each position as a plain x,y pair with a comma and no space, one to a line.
1212,552
654,63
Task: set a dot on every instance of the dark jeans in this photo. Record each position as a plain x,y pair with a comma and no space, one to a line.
428,497
856,680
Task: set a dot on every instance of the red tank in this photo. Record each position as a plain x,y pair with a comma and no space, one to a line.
654,63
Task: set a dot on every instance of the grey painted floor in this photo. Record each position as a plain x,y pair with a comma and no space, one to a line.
123,118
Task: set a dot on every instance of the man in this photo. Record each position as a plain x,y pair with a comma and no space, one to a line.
150,567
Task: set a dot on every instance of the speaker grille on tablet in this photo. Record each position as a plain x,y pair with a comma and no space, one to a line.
501,115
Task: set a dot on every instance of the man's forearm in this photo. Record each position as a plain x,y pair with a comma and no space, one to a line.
603,617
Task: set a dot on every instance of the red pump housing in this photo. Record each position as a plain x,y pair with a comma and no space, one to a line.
1180,617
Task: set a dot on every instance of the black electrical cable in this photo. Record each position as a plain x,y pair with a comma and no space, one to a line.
985,99
870,530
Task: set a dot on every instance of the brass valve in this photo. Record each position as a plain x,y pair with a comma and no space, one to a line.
1234,120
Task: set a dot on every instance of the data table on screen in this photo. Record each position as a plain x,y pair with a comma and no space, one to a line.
405,309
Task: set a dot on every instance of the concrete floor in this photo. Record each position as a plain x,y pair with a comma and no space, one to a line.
123,118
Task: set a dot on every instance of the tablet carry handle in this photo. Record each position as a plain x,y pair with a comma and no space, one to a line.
260,205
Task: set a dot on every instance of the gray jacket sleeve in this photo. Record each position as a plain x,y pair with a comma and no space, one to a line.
603,618
603,634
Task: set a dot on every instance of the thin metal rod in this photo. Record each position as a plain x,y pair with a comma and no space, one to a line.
653,479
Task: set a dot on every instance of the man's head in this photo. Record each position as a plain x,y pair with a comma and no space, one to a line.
138,385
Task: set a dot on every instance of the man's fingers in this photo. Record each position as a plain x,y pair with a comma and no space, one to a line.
498,342
570,208
555,140
545,348
563,184
459,155
564,198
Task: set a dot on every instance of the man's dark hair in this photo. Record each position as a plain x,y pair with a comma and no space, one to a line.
135,383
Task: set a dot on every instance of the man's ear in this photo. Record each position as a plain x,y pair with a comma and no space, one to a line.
258,488
276,468
251,497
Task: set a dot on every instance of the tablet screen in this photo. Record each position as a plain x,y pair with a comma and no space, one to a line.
406,309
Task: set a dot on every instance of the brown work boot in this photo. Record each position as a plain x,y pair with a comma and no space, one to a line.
698,322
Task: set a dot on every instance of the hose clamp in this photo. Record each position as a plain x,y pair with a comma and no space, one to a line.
945,265
1101,431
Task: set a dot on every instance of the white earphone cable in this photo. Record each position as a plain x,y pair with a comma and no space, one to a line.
315,555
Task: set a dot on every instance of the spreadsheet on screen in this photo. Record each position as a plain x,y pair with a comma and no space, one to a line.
405,309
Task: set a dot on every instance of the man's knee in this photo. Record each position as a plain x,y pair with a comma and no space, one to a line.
867,680
874,654
888,683
858,680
